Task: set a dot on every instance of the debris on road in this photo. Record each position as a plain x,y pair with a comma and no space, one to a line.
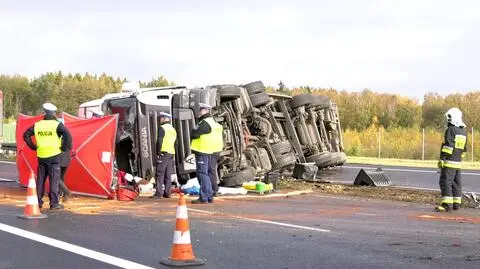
384,193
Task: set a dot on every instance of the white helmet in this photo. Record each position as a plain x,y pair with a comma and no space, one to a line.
454,117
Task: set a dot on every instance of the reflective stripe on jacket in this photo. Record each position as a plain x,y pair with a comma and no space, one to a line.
454,147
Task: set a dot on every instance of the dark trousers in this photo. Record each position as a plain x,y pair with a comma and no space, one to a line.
450,186
163,174
213,172
62,187
50,168
202,162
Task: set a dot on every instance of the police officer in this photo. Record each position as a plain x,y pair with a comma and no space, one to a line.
49,147
452,151
65,160
213,162
204,143
165,155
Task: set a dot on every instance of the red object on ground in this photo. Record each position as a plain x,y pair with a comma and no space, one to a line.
126,194
90,171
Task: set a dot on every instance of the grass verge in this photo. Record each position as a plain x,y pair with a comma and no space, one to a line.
404,162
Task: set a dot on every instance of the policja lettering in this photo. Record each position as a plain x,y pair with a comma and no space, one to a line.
45,133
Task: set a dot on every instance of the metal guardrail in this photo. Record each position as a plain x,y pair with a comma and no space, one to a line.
9,146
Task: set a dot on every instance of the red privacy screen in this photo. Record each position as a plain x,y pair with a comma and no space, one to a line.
91,168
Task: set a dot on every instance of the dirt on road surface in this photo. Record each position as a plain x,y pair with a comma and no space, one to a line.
12,194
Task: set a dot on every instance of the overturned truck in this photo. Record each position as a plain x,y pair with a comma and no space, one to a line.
262,132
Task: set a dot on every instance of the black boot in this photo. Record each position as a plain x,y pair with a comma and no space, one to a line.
456,206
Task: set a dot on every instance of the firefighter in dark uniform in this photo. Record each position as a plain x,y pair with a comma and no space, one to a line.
453,149
205,141
49,147
165,149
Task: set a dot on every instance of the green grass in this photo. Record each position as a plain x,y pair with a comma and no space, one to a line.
405,162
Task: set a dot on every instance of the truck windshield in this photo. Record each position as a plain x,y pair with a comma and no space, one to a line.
125,108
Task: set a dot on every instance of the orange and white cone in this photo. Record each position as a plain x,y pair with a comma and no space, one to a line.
182,252
32,210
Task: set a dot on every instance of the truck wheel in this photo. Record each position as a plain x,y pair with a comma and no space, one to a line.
301,100
259,99
254,87
228,93
281,148
321,160
320,102
340,158
285,160
343,159
236,179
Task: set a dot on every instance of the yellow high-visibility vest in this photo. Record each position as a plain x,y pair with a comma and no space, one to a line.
168,144
48,142
211,142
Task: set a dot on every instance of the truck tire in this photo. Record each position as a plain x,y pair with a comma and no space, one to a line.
284,161
281,148
301,100
321,160
228,93
254,87
259,99
340,158
320,102
236,179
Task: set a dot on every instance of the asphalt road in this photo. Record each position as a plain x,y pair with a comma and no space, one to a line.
402,176
8,171
309,231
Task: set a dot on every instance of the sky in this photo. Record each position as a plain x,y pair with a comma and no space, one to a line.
403,47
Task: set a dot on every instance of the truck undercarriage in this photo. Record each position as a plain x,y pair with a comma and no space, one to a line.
263,133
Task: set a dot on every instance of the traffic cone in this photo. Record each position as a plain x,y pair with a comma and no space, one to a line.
32,210
182,252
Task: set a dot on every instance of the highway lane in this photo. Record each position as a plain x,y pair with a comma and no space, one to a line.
426,178
412,177
352,233
8,171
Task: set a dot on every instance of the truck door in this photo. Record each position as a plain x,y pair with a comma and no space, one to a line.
184,122
148,119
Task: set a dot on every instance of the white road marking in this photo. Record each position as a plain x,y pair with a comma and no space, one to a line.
105,258
8,162
406,170
7,180
264,221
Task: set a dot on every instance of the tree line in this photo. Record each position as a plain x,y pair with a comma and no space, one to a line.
361,110
358,110
67,92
